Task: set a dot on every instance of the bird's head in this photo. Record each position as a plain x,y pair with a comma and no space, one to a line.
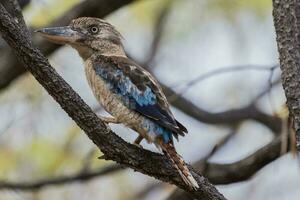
87,35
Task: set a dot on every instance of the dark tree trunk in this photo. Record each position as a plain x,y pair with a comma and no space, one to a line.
287,24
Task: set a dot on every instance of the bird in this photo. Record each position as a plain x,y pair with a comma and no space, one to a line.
129,93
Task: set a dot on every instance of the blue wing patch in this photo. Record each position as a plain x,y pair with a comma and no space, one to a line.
138,96
124,87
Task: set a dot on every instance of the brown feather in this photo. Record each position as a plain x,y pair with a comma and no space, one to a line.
170,151
142,79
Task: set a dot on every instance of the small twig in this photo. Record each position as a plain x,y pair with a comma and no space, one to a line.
266,90
87,160
7,127
292,136
220,71
102,157
270,83
218,146
158,34
143,193
79,177
284,137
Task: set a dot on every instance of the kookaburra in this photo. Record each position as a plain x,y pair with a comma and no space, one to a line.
125,90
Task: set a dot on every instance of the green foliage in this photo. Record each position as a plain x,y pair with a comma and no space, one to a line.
230,8
41,157
43,14
7,162
46,156
145,12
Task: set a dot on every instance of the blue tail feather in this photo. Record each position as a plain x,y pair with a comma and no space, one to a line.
155,130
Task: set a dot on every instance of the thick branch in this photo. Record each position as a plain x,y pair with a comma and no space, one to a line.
237,171
216,173
113,147
242,169
226,117
13,6
287,24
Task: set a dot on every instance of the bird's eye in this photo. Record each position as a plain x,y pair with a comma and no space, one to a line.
94,29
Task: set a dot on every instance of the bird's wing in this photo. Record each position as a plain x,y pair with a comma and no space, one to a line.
138,90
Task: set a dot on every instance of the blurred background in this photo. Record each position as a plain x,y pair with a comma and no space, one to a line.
218,61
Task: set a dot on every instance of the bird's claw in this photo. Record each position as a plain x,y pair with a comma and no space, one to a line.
138,145
137,141
109,120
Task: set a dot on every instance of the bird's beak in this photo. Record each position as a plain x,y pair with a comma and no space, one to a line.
60,35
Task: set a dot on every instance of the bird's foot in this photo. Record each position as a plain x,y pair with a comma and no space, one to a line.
137,141
138,145
109,120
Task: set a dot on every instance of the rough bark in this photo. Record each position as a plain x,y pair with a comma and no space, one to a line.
113,147
216,173
286,15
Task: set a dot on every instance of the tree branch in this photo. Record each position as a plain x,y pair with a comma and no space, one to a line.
237,171
223,70
15,7
242,169
216,173
286,15
216,148
227,117
60,180
113,147
159,26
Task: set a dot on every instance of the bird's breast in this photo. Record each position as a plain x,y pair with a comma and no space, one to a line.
110,101
100,89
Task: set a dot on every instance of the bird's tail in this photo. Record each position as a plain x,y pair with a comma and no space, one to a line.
170,151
